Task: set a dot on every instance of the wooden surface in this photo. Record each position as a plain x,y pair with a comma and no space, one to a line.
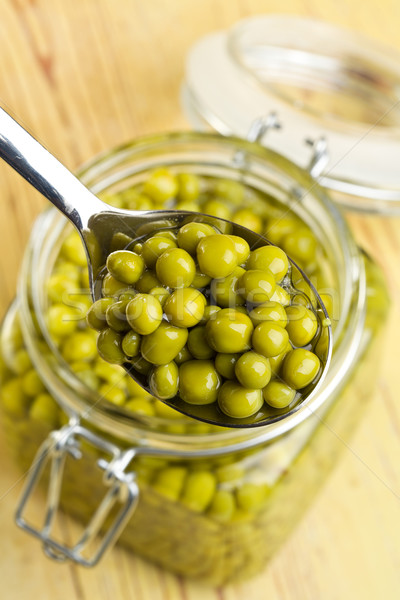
85,75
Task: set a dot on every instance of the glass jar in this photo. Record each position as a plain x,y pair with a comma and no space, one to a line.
202,501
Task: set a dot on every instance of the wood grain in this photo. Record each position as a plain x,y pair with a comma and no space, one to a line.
84,76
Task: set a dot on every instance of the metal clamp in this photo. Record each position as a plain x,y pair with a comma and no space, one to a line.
262,125
320,156
122,489
257,131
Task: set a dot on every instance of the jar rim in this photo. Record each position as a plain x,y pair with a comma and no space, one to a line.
124,426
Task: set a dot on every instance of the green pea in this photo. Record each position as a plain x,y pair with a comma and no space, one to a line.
21,362
109,346
247,218
125,266
116,316
197,343
137,201
108,372
198,490
189,187
79,346
278,395
141,406
225,364
161,185
302,325
305,295
96,315
166,233
300,368
169,482
199,382
269,258
276,361
183,356
131,343
242,249
253,370
176,268
201,280
127,295
44,410
164,381
112,287
160,293
161,346
217,208
321,347
222,506
144,313
32,384
154,247
281,296
87,377
279,227
147,282
209,311
300,245
257,286
221,226
269,339
137,248
185,307
225,291
59,287
190,206
68,270
251,496
112,394
189,235
13,399
231,473
141,365
232,191
239,402
61,320
72,249
120,241
269,311
229,331
216,246
328,302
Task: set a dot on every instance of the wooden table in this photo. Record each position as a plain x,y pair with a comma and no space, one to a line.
86,75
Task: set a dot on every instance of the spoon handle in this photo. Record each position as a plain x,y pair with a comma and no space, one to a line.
45,173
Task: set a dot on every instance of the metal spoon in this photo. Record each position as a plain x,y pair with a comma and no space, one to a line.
97,222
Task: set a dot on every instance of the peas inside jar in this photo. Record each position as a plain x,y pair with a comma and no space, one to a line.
195,314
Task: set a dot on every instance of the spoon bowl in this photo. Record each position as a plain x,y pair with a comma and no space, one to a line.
97,223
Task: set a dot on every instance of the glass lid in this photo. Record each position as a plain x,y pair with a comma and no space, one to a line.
323,83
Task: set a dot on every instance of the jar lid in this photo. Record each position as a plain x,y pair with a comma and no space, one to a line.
322,82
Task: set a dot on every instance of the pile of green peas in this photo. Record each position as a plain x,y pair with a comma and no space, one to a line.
202,317
68,286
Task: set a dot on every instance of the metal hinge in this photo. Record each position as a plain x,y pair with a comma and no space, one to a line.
121,489
262,125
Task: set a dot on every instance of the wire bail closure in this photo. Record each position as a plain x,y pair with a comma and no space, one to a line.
263,125
122,489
